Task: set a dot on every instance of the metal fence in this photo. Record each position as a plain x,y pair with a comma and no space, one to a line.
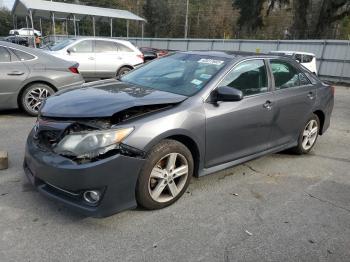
333,55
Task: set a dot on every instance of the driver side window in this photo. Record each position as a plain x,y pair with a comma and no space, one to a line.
84,47
250,77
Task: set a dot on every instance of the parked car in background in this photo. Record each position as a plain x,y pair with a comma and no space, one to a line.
99,57
29,76
25,32
17,40
306,59
152,53
112,144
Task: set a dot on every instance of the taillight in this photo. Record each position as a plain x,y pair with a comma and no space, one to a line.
141,56
74,70
333,90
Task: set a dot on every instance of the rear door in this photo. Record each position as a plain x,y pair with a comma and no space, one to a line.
294,97
108,58
238,129
83,53
12,73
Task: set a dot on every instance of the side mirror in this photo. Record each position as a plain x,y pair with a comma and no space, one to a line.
71,50
227,94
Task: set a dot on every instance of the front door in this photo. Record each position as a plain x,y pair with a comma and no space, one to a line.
83,53
238,129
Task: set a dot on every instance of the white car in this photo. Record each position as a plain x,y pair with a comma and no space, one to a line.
99,58
25,32
306,59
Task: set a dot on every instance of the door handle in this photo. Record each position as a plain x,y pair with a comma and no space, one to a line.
311,95
268,105
15,73
91,58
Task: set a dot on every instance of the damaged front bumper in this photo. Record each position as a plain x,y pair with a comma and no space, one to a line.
63,179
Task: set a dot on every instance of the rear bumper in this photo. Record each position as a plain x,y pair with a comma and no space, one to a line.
65,181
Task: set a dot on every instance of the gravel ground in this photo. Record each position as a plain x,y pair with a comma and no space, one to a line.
277,208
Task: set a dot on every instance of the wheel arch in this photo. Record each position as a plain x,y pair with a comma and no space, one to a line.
186,138
321,116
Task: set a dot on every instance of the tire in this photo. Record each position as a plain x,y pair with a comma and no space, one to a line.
158,186
122,71
308,136
33,96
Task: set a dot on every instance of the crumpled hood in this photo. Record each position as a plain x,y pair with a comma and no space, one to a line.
103,99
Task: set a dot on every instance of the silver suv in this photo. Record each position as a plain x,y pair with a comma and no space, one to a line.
99,57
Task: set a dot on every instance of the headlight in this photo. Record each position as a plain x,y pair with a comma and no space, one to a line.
92,144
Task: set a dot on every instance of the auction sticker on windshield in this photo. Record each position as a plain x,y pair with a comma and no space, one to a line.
211,61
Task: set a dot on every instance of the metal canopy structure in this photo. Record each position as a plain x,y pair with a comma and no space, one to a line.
58,10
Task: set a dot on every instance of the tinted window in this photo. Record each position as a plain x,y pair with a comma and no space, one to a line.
180,73
5,55
250,77
307,58
105,46
83,47
285,74
298,57
303,79
123,48
22,55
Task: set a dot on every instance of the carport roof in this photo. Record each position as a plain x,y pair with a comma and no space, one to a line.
62,10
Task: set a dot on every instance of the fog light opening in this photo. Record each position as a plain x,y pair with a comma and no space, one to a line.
92,196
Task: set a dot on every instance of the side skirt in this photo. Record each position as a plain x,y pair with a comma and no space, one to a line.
214,169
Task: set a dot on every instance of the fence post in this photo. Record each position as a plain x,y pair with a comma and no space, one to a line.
212,45
239,45
322,56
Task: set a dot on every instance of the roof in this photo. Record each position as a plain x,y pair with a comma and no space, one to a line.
62,10
292,52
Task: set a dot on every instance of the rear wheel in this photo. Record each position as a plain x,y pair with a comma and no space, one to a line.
33,96
122,71
165,175
308,136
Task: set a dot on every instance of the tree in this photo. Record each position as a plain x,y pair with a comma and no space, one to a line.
157,16
250,15
5,21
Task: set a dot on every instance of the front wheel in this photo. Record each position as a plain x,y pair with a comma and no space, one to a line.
123,71
165,175
308,136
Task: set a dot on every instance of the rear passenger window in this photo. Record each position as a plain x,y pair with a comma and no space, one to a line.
105,46
250,77
123,48
285,74
307,58
22,55
5,55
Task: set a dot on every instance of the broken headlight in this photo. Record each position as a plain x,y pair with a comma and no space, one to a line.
91,144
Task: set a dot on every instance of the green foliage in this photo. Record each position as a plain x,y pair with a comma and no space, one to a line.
5,21
157,14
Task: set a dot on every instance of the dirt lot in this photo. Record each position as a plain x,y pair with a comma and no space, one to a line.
277,208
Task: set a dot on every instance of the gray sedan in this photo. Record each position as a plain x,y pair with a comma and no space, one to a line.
112,144
29,76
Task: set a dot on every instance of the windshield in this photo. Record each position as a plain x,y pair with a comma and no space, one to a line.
60,45
183,74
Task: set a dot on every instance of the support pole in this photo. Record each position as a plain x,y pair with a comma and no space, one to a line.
142,31
93,25
41,26
75,26
127,29
186,21
53,26
111,27
32,24
67,27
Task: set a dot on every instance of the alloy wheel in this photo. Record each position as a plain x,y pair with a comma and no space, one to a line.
35,97
310,134
168,177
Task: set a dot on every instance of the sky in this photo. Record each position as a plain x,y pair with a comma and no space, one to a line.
7,3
